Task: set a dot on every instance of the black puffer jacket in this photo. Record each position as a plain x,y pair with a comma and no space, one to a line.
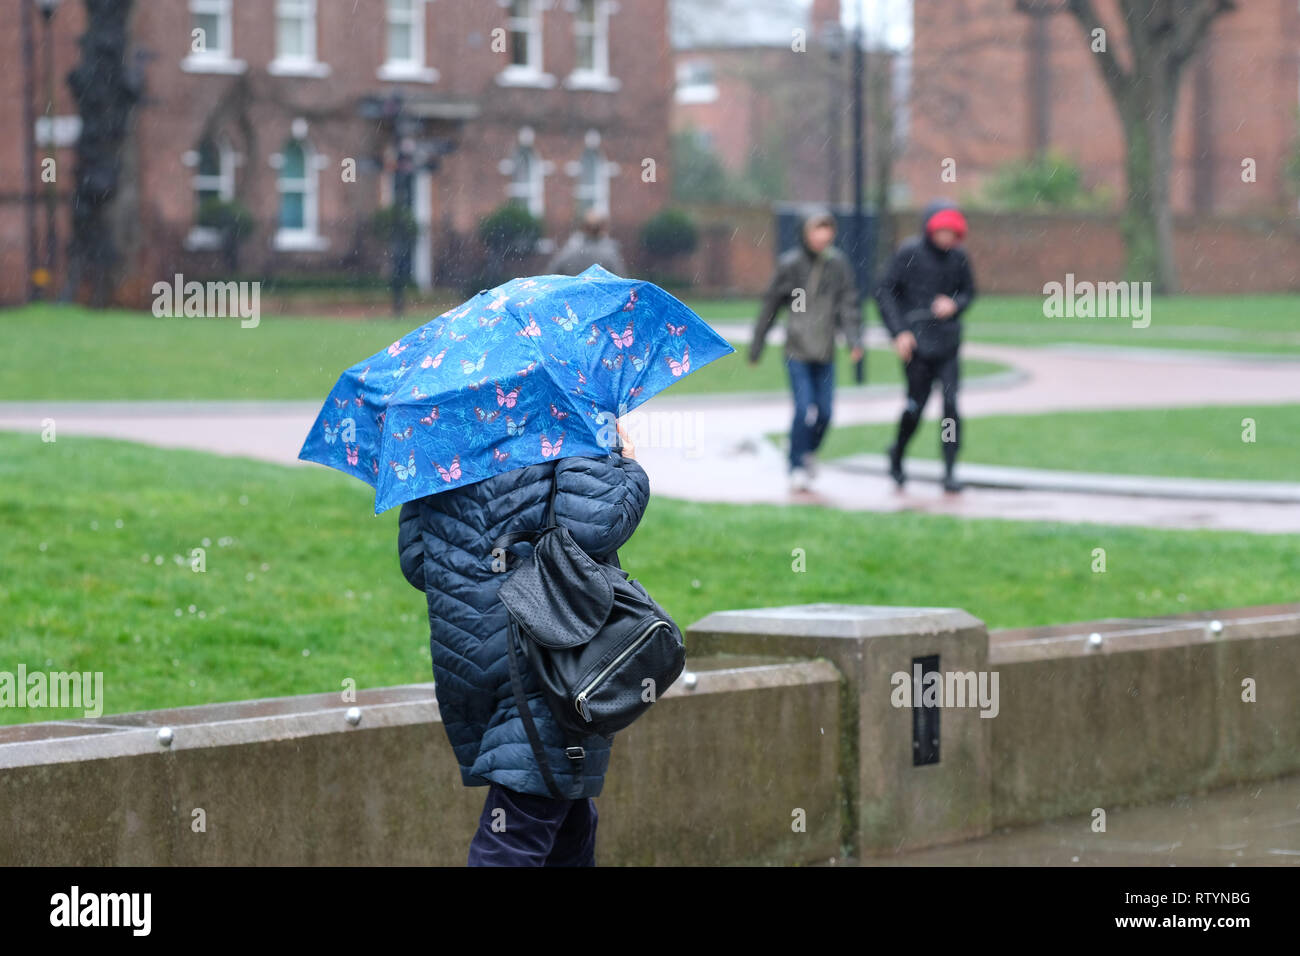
445,542
919,271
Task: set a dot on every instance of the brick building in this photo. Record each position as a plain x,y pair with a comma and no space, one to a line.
555,104
768,80
992,85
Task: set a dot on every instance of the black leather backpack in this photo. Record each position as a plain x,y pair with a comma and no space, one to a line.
602,649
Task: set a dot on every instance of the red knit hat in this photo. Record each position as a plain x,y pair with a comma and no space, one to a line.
948,218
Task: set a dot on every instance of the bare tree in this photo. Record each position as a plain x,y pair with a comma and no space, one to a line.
1162,35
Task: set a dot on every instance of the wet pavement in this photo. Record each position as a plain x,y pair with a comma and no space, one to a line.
1255,824
713,447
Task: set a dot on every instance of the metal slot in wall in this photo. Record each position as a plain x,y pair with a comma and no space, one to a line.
925,720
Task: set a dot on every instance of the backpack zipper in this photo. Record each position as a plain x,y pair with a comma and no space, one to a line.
581,701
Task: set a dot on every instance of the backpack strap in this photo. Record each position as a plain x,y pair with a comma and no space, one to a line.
521,703
506,541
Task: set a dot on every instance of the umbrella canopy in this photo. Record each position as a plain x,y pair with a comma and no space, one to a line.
535,369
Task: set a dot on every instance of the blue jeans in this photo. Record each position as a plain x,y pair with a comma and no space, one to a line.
534,831
813,384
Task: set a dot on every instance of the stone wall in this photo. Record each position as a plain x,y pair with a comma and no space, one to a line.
784,744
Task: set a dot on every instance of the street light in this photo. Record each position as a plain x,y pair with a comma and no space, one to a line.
47,8
834,40
859,174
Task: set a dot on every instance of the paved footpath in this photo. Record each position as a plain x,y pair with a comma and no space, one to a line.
712,448
731,460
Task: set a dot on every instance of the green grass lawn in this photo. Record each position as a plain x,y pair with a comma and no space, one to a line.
1264,324
1181,442
72,353
302,589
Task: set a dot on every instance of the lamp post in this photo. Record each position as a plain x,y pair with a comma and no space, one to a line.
47,8
833,38
29,151
404,128
859,178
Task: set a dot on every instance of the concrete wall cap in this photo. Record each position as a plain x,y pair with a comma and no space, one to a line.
853,621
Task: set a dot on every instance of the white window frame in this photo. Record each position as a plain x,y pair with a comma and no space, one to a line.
536,188
599,191
205,237
413,69
307,238
597,77
306,63
58,131
218,57
687,91
530,73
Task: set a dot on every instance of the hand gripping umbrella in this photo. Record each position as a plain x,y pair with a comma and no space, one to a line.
535,369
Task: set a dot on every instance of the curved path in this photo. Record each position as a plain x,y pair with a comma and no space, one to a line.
712,448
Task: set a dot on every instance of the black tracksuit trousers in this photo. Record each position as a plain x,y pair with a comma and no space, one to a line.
921,373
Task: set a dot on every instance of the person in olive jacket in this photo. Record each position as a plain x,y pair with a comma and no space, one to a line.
922,297
815,280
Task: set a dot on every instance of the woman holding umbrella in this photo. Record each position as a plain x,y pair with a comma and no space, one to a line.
473,423
441,541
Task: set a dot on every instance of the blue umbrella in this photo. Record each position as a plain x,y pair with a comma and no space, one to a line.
535,369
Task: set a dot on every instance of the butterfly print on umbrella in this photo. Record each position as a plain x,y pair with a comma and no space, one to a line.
449,474
404,471
621,339
551,449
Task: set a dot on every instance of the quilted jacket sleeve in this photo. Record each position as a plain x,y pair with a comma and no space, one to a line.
410,547
600,500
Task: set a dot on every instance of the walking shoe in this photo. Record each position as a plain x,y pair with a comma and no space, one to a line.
810,464
896,467
800,480
951,484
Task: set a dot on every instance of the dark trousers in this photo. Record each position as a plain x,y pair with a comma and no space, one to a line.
921,373
813,384
520,829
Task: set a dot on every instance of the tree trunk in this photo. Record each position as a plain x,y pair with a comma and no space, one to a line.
1147,113
106,92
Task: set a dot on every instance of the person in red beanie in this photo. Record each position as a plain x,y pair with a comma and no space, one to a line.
922,297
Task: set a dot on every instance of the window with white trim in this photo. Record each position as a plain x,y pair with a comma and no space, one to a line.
591,190
591,39
210,28
696,82
405,43
295,40
214,176
524,44
524,26
297,182
591,45
526,182
210,40
214,179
